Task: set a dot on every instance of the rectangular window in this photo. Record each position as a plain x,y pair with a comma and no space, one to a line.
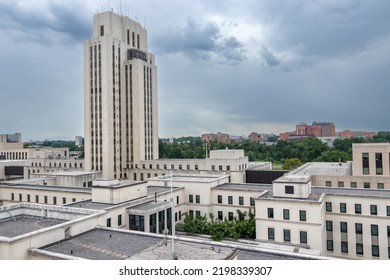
358,228
241,200
303,237
289,189
220,168
37,198
343,227
329,226
55,200
64,200
191,198
196,167
270,212
220,215
286,214
177,200
119,220
45,199
191,213
388,210
286,235
343,207
28,198
108,222
340,184
329,245
378,163
252,201
374,230
381,186
230,216
20,197
328,206
271,234
373,210
366,185
102,30
12,196
219,198
359,249
328,183
197,213
197,198
230,199
366,163
344,247
213,167
353,185
302,215
358,208
375,250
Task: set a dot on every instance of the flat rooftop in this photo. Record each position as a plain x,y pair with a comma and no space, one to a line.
351,191
187,178
323,168
113,244
89,204
25,224
45,187
244,187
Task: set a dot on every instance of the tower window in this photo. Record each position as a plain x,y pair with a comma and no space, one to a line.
102,30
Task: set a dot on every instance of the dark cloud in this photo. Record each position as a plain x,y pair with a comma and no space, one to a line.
203,41
56,22
269,57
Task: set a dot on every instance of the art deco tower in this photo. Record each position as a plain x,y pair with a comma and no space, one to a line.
120,96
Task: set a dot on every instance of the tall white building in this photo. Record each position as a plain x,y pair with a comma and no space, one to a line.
120,96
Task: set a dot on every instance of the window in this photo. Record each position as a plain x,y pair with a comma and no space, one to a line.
375,250
286,214
219,198
230,199
343,227
329,245
64,200
286,235
191,213
108,222
12,196
220,215
220,168
177,200
358,208
188,167
213,167
329,226
343,207
20,197
374,230
366,163
252,202
328,206
270,213
228,167
353,185
119,220
102,30
197,198
344,247
197,213
380,186
230,216
378,164
373,210
55,200
196,167
302,215
366,185
191,198
340,184
45,199
303,237
388,210
359,249
289,189
241,200
37,198
271,234
328,183
358,228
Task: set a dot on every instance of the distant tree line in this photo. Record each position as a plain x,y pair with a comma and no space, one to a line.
300,151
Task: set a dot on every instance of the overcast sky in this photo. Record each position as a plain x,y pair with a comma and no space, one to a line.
234,66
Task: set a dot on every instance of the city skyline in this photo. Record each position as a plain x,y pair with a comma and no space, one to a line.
236,68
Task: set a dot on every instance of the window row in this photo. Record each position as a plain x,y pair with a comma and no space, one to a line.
357,208
359,248
287,235
366,185
38,199
230,200
286,214
374,229
59,164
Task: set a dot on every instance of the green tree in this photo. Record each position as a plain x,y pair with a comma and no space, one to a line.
291,163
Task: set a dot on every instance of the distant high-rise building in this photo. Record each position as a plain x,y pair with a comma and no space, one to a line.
327,128
120,96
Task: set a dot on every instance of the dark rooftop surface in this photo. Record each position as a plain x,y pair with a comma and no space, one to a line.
100,244
25,224
249,187
88,204
107,244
